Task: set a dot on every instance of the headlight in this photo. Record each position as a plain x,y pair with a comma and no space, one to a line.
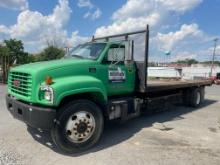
48,93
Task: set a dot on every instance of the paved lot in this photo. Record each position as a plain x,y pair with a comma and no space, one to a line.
192,137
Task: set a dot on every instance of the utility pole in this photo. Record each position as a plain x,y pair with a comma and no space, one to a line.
213,55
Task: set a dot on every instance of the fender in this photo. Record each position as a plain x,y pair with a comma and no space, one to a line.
76,85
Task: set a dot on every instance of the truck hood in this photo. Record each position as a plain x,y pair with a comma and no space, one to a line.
50,65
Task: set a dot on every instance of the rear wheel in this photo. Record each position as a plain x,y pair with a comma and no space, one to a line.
196,97
202,89
79,128
193,97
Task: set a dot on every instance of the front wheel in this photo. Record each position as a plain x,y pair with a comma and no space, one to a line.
79,126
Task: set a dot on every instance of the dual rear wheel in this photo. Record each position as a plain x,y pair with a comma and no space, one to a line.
193,97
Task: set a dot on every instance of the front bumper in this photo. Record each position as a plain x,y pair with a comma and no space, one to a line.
35,116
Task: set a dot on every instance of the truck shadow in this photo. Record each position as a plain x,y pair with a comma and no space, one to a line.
115,133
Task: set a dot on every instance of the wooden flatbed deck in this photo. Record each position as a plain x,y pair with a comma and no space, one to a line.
161,85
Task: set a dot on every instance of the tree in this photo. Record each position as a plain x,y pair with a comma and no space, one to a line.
31,58
187,61
16,52
4,59
12,52
51,53
210,62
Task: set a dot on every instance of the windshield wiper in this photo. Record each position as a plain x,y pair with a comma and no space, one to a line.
75,55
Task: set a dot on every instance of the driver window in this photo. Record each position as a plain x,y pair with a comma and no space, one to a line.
116,53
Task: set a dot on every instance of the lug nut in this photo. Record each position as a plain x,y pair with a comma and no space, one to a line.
69,132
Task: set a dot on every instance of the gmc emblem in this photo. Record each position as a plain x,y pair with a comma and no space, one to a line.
16,83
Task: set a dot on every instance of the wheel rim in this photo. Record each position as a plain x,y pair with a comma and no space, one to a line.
80,127
198,98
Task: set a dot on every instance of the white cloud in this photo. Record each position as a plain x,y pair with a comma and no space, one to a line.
14,4
170,40
87,15
34,27
93,13
28,23
135,14
76,39
96,14
37,30
161,15
93,16
204,54
85,3
61,14
186,42
180,5
128,24
4,29
208,52
217,51
134,9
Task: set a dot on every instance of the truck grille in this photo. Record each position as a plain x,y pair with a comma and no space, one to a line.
20,83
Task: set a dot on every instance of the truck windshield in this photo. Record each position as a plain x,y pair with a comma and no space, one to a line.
87,51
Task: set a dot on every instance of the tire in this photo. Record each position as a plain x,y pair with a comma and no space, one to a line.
79,127
195,97
202,94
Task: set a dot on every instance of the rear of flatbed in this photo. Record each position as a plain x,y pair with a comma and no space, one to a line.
190,92
162,85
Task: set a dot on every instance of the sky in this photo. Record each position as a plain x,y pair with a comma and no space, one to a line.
185,28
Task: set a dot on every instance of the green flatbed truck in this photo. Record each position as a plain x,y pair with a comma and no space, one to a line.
96,82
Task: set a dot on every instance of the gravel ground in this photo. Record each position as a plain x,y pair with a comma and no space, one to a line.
178,136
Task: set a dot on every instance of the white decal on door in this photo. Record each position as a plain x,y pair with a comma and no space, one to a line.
116,75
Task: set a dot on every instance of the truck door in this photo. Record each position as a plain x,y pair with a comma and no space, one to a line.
119,75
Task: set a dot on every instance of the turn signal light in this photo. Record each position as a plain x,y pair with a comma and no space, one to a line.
48,80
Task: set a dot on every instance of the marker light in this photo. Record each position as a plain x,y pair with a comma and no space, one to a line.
48,80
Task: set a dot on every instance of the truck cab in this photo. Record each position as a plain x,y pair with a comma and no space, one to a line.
92,72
